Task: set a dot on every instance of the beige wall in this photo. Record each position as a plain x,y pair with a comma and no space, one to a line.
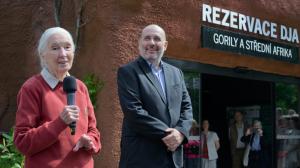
109,40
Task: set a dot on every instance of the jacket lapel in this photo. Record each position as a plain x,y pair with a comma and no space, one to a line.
153,79
169,89
168,78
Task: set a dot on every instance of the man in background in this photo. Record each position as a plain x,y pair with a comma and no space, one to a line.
236,132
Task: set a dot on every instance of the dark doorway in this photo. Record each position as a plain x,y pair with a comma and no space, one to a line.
220,92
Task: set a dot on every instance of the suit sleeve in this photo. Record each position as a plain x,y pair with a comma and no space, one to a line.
29,137
138,119
246,139
186,113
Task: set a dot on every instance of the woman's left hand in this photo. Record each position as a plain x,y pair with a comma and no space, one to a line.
260,131
86,142
248,132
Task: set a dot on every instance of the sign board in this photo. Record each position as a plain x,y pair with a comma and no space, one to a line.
242,44
239,21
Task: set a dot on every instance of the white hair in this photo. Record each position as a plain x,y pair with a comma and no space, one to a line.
258,123
43,42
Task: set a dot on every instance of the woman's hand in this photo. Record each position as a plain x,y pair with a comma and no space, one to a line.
260,131
84,142
70,114
248,132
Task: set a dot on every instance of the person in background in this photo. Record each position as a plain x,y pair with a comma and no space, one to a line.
254,137
237,147
282,130
156,106
288,146
209,146
192,148
292,146
42,118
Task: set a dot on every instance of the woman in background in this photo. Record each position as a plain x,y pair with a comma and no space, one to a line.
254,136
192,148
209,147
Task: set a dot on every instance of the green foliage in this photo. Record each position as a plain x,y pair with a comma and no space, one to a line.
94,86
286,96
192,80
10,157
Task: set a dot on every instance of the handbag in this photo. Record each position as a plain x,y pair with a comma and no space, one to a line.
246,155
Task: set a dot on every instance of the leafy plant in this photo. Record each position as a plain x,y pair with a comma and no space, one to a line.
286,96
10,157
94,86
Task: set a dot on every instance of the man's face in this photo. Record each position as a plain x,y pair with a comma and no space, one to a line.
238,116
152,44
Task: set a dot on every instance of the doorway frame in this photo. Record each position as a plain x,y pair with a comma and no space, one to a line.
238,72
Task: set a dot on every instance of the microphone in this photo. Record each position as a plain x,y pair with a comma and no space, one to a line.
70,87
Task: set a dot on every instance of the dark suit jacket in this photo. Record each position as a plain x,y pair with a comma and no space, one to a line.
249,139
148,113
233,136
256,159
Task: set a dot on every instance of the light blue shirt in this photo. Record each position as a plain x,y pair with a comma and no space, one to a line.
256,143
159,73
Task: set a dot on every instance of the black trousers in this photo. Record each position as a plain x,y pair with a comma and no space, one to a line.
256,159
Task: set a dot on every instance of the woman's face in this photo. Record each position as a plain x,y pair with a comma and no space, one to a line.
59,54
256,126
205,125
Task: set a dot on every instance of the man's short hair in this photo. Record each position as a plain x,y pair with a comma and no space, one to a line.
239,111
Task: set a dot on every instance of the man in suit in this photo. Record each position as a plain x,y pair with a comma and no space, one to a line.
236,132
156,105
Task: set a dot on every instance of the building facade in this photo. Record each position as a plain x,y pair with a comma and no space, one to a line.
235,55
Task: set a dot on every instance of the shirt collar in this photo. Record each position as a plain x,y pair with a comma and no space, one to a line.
51,80
154,68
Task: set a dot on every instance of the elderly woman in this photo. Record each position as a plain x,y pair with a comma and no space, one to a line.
42,133
254,137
